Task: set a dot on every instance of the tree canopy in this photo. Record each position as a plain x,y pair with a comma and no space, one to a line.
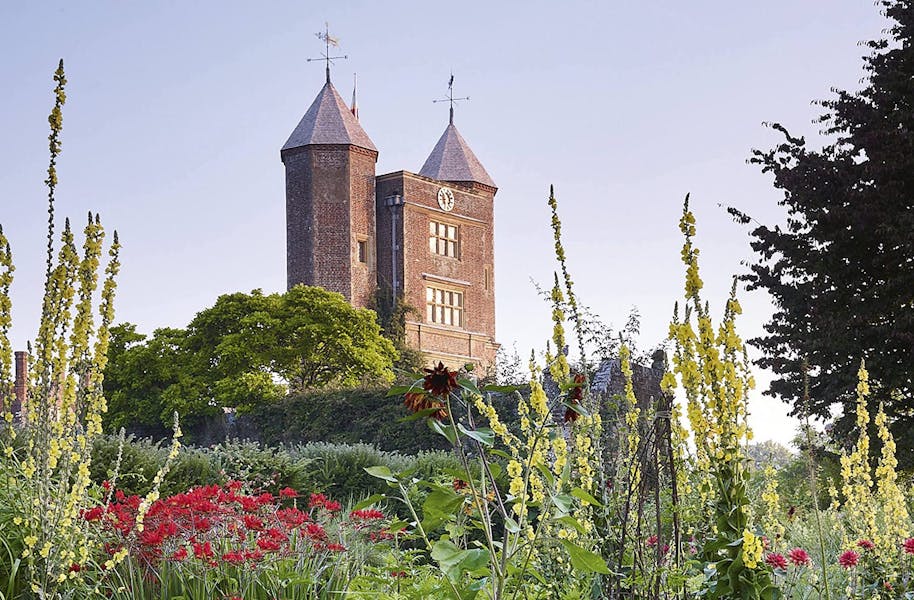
841,272
244,350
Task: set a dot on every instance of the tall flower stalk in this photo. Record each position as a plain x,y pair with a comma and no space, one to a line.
48,454
712,367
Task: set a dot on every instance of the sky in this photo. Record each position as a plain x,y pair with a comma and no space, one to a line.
176,112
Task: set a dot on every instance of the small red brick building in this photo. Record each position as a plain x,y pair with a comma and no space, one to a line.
425,237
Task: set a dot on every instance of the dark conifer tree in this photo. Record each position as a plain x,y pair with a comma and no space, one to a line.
842,271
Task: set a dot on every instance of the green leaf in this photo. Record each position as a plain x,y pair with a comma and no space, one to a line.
545,472
563,502
512,525
571,522
397,525
441,429
448,557
583,496
374,499
483,435
381,472
584,560
399,390
454,561
469,386
439,506
422,414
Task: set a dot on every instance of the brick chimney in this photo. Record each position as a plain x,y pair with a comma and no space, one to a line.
21,385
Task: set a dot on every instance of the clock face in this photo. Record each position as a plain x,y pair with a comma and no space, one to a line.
445,199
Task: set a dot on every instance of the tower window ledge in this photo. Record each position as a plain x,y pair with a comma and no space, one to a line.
443,279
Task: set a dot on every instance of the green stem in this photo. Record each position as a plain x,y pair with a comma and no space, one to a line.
428,544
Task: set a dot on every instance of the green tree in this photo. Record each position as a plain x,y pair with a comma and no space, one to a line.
138,372
245,350
841,272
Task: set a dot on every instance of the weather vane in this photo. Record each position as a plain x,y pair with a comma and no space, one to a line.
450,97
329,40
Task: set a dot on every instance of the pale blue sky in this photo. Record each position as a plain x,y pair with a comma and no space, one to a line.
177,111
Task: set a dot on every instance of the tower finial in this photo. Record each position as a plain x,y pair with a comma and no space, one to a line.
328,40
450,97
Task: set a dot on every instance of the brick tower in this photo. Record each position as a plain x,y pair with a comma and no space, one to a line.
436,248
426,238
330,197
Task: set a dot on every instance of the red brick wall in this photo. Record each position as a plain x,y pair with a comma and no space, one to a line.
329,208
473,214
364,276
20,385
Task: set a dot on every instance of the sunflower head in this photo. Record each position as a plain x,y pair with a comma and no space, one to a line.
440,381
419,401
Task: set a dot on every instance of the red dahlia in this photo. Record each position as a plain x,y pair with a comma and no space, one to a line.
849,559
799,557
866,544
776,561
908,546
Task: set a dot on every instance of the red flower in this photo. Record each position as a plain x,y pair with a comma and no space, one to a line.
366,515
575,395
849,559
651,541
315,531
291,517
288,492
94,514
267,544
419,401
179,554
908,546
253,555
332,505
379,536
75,568
799,557
252,522
336,547
106,485
776,561
396,574
204,550
440,381
866,544
577,392
459,484
233,558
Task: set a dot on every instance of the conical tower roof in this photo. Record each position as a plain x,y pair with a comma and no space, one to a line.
329,121
452,160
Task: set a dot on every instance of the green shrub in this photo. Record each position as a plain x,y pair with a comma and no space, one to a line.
339,416
337,470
